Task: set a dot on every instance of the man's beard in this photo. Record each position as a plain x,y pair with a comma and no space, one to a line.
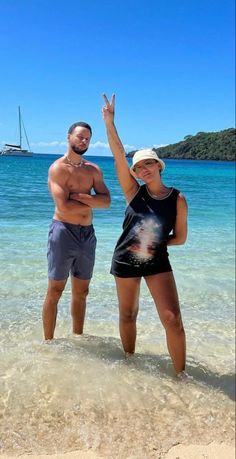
78,150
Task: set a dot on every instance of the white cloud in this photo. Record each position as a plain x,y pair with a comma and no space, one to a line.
160,145
55,143
99,144
56,146
129,147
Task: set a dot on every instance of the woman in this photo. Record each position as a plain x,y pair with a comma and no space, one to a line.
155,217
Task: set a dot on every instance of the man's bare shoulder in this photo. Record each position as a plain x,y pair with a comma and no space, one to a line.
93,167
58,170
58,165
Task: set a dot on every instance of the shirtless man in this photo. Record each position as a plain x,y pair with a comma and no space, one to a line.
71,238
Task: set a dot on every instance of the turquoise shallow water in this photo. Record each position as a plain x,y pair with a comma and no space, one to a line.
81,393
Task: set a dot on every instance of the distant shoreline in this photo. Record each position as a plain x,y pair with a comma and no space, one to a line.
212,146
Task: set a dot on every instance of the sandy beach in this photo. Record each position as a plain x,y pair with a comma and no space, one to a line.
213,450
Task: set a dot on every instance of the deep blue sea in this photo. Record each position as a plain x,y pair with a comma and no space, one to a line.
80,393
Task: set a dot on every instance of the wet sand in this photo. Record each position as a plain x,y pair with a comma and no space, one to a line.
212,451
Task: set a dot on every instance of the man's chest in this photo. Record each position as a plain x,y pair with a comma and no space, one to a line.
80,181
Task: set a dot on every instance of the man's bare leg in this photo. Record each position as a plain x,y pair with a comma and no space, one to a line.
80,289
54,292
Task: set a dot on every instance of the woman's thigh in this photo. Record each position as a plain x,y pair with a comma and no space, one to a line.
164,292
128,293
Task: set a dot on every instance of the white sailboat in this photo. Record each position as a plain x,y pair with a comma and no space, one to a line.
17,150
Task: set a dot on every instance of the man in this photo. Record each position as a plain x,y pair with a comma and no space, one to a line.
71,239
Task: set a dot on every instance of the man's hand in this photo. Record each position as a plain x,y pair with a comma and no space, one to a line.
108,111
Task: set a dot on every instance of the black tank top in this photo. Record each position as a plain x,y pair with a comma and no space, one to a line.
147,225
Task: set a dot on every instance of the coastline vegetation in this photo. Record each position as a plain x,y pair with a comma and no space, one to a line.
218,146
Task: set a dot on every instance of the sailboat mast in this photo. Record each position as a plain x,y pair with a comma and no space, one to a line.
20,126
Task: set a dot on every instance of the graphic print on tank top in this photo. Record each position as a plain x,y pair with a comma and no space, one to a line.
147,236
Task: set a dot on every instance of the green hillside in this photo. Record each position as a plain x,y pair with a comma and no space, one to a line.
204,145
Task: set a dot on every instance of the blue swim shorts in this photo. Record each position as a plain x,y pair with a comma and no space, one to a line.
71,250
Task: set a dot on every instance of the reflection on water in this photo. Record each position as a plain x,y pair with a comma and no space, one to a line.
81,393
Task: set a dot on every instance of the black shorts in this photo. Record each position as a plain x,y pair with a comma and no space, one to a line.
122,268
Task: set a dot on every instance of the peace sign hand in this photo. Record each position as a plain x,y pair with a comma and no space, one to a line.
108,111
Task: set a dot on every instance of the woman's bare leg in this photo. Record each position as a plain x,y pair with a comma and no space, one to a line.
128,296
163,290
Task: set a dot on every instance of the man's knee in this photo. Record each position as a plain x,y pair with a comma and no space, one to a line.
84,292
80,291
55,290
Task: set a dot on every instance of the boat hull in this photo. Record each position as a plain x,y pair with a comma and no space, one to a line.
16,153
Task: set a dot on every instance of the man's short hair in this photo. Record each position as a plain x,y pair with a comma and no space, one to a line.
79,123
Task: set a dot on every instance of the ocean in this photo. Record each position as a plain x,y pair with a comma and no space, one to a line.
81,393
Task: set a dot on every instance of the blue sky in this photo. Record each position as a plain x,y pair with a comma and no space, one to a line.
170,64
